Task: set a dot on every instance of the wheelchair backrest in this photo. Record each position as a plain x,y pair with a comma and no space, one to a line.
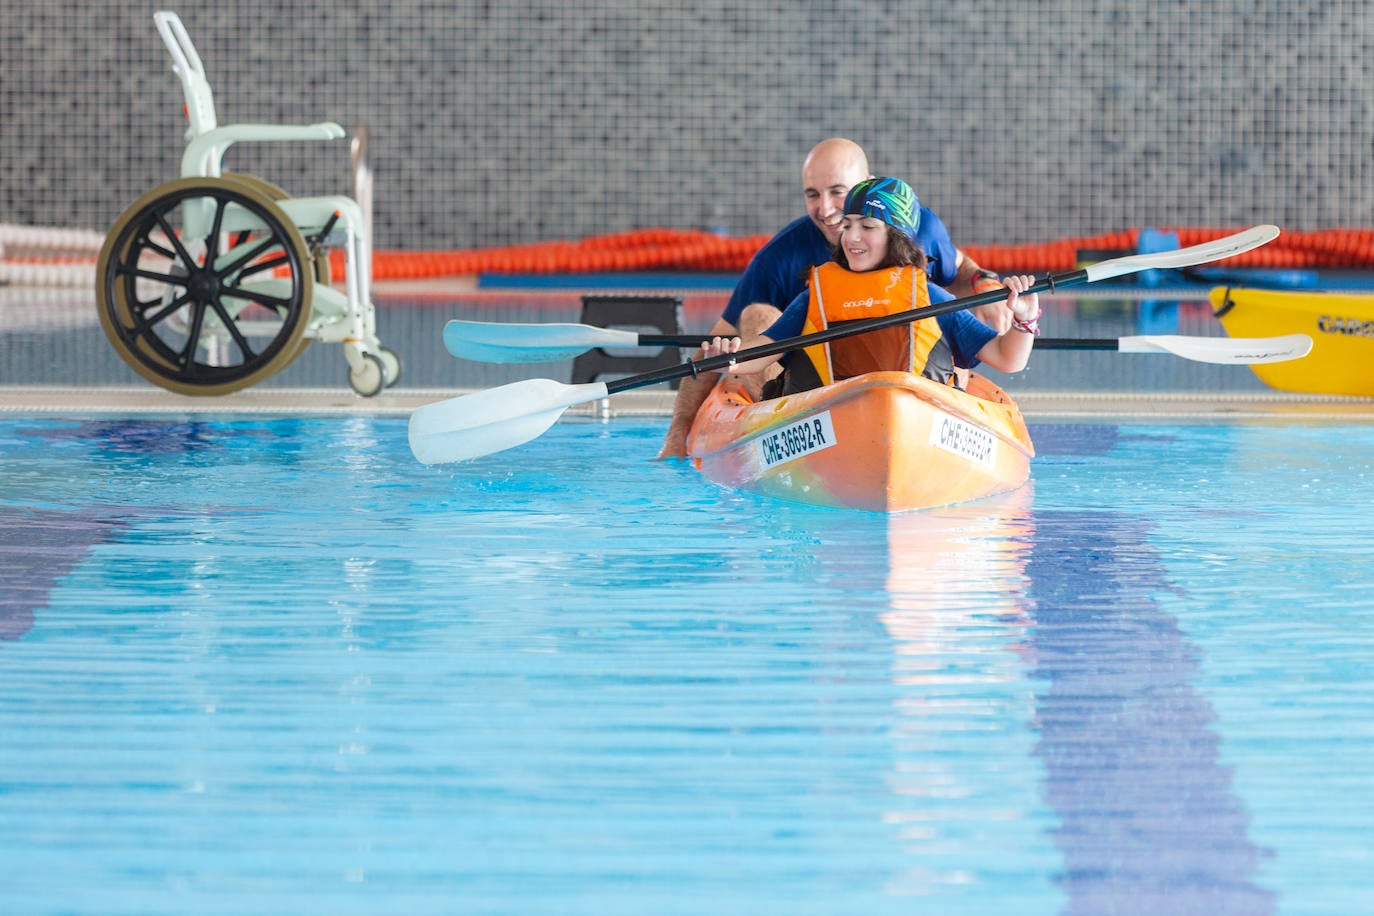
200,100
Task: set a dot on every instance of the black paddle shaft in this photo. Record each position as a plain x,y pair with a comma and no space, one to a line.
848,329
1044,343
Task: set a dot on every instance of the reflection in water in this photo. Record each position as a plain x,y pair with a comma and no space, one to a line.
113,464
953,572
958,622
1149,820
38,547
1003,619
1075,440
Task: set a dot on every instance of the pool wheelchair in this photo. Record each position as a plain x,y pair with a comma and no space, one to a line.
214,281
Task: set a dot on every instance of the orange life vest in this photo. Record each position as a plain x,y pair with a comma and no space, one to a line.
838,295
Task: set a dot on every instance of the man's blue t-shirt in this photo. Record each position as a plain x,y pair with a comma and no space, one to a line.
966,335
778,271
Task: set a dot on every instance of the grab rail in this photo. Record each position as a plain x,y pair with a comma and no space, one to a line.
362,193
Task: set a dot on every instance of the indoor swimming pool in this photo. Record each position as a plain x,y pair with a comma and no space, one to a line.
273,664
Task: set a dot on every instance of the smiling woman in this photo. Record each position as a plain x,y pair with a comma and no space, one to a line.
863,242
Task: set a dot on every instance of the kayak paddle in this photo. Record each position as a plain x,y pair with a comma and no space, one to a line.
484,422
497,342
1224,351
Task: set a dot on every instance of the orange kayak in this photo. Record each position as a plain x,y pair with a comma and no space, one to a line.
1341,326
884,442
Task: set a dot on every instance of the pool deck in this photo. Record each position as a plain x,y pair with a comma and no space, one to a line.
1036,406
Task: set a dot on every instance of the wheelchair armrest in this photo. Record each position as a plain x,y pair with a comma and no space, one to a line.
203,153
324,130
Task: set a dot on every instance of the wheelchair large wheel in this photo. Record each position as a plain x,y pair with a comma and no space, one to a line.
319,263
204,286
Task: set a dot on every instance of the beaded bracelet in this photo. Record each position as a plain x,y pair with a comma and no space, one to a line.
1028,325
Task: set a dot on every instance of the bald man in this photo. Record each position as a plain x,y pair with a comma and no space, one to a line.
777,272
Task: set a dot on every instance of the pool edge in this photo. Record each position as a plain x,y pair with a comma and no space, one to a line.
1035,405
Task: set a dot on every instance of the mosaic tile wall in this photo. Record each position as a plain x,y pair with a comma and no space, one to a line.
527,120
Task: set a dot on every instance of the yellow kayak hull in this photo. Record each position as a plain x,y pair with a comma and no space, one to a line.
1341,326
882,442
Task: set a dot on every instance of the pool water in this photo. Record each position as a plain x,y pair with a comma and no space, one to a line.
276,666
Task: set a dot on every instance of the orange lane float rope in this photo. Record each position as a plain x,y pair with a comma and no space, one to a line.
641,250
689,250
32,252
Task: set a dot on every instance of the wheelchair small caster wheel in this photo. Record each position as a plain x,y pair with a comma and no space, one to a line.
369,378
391,361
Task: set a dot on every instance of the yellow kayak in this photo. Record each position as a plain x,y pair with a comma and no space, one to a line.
1341,326
884,442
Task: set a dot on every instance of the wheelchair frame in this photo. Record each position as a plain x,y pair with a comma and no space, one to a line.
214,281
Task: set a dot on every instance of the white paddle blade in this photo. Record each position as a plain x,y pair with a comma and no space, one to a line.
1215,250
489,342
1230,351
493,420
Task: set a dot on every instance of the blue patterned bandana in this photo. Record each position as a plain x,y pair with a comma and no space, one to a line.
888,199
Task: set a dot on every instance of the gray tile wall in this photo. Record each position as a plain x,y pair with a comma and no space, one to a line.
526,120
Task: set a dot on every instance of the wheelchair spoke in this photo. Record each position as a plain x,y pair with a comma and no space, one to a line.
181,252
259,266
245,257
146,322
269,264
150,244
212,238
249,354
125,270
259,297
187,356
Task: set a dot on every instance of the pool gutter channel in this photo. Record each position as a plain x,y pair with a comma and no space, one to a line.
1036,406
